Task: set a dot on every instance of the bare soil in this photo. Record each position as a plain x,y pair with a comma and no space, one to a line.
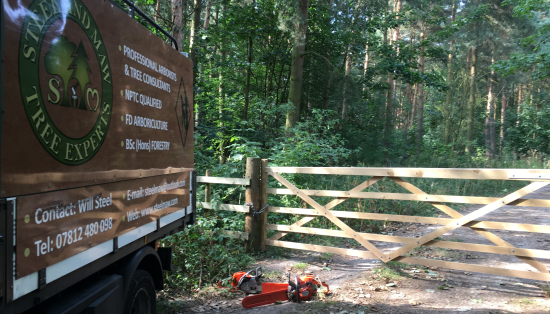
366,286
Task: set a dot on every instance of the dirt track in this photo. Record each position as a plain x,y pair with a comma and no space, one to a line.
418,290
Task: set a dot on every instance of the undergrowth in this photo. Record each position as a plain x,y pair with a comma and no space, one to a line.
202,256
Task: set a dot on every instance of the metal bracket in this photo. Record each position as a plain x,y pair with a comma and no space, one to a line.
115,244
42,279
525,175
158,224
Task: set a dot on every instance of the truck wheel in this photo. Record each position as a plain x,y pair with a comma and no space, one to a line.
141,298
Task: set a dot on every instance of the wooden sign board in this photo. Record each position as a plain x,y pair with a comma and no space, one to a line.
57,225
91,96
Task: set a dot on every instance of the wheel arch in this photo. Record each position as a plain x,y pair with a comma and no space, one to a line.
145,259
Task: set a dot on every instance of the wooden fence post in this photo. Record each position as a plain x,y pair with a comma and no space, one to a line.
207,192
263,198
252,195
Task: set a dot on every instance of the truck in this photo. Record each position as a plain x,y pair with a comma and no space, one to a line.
96,156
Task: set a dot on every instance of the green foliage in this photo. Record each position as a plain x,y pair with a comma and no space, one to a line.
315,142
203,256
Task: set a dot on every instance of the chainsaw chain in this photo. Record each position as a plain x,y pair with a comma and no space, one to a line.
255,213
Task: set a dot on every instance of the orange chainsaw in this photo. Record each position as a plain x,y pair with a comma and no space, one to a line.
245,282
297,290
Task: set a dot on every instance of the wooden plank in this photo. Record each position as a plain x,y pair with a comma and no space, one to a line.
227,207
416,219
331,204
482,248
414,197
475,268
235,234
320,248
219,180
486,234
439,173
467,218
328,214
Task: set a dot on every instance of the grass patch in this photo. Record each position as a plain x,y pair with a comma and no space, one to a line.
300,265
456,240
391,271
546,289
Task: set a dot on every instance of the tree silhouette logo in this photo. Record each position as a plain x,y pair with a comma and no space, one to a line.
60,87
182,112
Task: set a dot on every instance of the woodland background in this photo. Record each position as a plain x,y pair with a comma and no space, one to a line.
444,83
374,82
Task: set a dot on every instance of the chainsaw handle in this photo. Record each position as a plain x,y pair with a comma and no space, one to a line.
324,284
319,283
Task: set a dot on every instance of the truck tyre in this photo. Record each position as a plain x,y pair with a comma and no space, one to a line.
141,297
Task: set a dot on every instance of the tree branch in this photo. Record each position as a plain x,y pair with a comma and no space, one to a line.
327,60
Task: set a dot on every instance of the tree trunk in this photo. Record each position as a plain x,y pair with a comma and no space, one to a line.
177,29
420,104
194,31
520,100
346,82
221,95
449,83
297,68
472,104
248,72
348,63
398,5
207,14
414,104
192,50
388,114
157,11
408,92
490,117
503,114
366,65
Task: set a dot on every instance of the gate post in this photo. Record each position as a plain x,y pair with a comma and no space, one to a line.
207,192
263,217
252,195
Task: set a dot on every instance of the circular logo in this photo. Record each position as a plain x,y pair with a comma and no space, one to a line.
65,79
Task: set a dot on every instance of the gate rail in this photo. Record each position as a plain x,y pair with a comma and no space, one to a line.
539,178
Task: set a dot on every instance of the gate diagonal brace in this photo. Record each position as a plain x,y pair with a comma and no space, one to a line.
465,219
327,213
329,206
483,232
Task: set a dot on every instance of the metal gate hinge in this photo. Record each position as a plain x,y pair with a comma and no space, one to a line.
42,279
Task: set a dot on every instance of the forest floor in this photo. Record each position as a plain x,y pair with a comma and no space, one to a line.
361,285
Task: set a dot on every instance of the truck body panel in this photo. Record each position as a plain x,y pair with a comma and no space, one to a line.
96,147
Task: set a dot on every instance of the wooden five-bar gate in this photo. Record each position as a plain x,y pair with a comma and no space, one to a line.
256,228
